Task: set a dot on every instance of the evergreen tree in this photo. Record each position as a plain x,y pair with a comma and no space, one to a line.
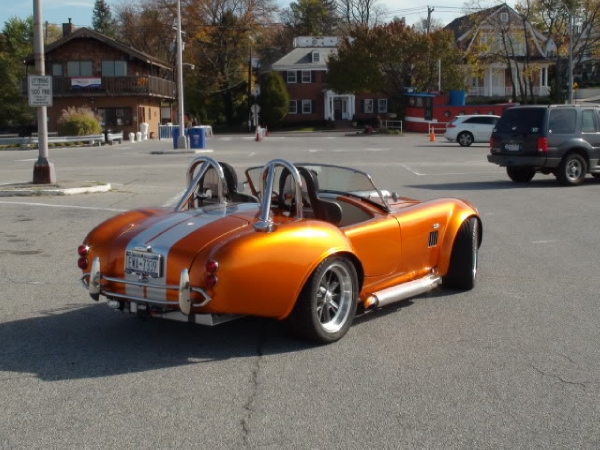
102,19
274,100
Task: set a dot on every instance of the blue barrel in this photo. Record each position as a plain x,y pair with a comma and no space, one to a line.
457,98
197,137
175,134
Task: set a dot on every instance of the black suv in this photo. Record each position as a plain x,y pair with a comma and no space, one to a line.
563,140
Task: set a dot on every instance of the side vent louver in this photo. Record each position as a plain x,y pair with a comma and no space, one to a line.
433,238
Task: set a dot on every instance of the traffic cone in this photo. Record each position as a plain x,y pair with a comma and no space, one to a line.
432,136
257,138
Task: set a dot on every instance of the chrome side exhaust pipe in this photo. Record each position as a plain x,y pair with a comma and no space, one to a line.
402,292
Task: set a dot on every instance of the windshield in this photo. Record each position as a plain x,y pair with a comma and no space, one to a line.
332,179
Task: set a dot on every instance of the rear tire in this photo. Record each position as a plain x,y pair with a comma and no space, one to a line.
520,174
326,307
572,170
465,139
462,272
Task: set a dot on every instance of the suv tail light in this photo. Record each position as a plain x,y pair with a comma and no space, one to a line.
542,144
450,125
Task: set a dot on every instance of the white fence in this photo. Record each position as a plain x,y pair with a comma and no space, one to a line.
94,139
392,125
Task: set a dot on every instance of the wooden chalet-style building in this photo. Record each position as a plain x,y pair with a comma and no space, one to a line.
485,31
122,85
304,70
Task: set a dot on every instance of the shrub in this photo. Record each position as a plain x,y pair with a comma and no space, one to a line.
79,121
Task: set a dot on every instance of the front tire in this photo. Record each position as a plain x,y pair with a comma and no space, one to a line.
520,174
462,272
326,306
465,139
572,170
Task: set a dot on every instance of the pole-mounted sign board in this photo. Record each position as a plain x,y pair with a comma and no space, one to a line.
40,90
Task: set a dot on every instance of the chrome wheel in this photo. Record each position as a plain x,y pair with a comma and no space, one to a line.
574,170
326,306
334,297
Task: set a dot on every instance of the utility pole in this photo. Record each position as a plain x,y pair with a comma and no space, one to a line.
250,90
182,139
43,170
429,11
570,90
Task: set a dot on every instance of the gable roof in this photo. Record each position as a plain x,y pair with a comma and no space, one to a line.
87,33
301,58
466,28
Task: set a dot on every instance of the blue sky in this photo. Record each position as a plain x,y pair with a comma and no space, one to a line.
80,11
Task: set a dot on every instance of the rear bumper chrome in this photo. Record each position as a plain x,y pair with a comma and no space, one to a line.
92,281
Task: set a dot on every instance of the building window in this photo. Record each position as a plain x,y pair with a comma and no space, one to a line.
291,76
306,76
504,17
293,109
306,106
57,70
114,68
115,117
382,105
80,69
316,57
369,105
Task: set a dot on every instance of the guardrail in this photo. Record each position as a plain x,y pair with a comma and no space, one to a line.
34,140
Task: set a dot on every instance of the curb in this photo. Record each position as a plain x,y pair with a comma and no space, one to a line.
25,190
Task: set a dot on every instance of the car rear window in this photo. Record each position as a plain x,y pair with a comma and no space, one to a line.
521,121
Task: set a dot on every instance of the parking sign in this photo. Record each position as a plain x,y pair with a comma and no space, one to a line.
40,90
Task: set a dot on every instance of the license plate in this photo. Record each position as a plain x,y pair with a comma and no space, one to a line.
512,147
143,263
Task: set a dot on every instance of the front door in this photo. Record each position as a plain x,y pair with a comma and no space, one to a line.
337,109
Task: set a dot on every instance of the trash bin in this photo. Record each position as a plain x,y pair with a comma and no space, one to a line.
197,137
175,135
107,131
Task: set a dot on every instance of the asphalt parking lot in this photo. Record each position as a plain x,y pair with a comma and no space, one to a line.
514,363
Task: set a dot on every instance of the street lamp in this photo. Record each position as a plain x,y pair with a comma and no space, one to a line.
181,140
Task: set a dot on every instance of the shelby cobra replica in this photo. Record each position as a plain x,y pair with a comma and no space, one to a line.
313,244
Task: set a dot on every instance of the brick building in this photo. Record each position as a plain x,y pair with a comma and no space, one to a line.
122,85
304,70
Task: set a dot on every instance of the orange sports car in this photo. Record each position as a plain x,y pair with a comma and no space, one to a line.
312,244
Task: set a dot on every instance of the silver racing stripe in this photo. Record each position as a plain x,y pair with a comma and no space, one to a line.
163,235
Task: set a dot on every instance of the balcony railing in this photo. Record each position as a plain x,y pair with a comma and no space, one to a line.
112,86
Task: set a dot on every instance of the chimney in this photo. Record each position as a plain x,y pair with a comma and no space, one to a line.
68,28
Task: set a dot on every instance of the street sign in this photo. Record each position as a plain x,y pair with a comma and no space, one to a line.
40,90
255,108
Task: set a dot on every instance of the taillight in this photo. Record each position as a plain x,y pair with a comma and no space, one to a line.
211,266
210,279
82,251
450,125
542,144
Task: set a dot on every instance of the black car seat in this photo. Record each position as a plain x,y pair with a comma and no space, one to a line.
231,182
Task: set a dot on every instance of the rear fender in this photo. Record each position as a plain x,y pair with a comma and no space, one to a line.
263,274
461,212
